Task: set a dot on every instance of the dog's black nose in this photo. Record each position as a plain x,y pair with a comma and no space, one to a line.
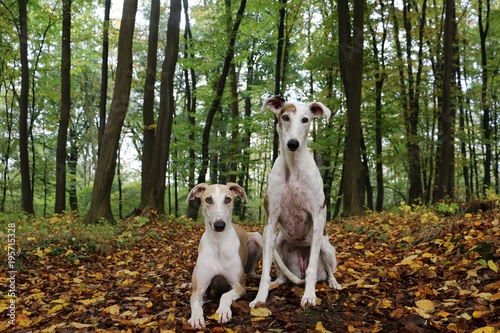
219,225
293,144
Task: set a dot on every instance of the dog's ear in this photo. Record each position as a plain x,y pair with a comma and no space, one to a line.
319,109
197,191
274,103
237,191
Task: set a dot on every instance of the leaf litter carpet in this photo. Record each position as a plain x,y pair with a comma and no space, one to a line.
423,273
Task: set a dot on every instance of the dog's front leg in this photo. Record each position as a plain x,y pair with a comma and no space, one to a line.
200,281
224,310
267,257
312,269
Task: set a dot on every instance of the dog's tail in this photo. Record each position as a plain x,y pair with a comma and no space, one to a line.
283,269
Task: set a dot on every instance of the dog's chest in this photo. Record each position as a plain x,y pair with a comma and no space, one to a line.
295,219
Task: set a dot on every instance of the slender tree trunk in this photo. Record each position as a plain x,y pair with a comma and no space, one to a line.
234,154
193,205
167,104
100,206
351,65
104,73
446,138
380,77
27,196
190,87
62,135
72,163
484,23
147,176
279,70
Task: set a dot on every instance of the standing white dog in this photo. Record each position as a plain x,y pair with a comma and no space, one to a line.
225,254
295,200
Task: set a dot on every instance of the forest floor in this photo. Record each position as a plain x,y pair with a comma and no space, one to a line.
408,272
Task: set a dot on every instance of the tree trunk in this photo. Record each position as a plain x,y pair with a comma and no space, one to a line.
485,104
100,206
194,205
167,104
380,77
351,66
72,163
147,198
27,195
190,96
278,79
104,73
447,118
62,135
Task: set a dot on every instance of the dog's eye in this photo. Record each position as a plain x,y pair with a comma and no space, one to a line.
208,200
227,200
285,117
305,120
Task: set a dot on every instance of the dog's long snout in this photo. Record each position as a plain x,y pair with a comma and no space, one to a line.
293,144
219,225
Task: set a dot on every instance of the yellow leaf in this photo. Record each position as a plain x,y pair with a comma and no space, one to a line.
320,328
408,260
113,309
480,314
68,252
466,316
492,266
170,318
215,317
58,301
495,297
485,329
56,308
140,321
468,216
260,312
40,253
359,246
80,325
426,305
77,280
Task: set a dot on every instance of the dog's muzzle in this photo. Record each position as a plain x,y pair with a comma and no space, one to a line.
293,144
219,225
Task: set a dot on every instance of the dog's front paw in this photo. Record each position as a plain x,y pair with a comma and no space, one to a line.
333,284
197,322
257,300
224,315
308,299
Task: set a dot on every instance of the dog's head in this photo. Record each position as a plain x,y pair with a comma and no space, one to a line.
217,202
294,120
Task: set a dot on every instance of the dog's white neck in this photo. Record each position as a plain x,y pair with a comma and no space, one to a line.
293,159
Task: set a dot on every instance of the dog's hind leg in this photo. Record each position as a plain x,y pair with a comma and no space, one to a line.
254,253
329,258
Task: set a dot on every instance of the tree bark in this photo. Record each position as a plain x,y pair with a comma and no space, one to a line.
484,23
167,104
194,205
100,206
351,66
62,135
279,70
104,74
190,87
147,176
27,195
447,118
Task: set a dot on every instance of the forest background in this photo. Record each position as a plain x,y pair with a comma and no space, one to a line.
108,116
